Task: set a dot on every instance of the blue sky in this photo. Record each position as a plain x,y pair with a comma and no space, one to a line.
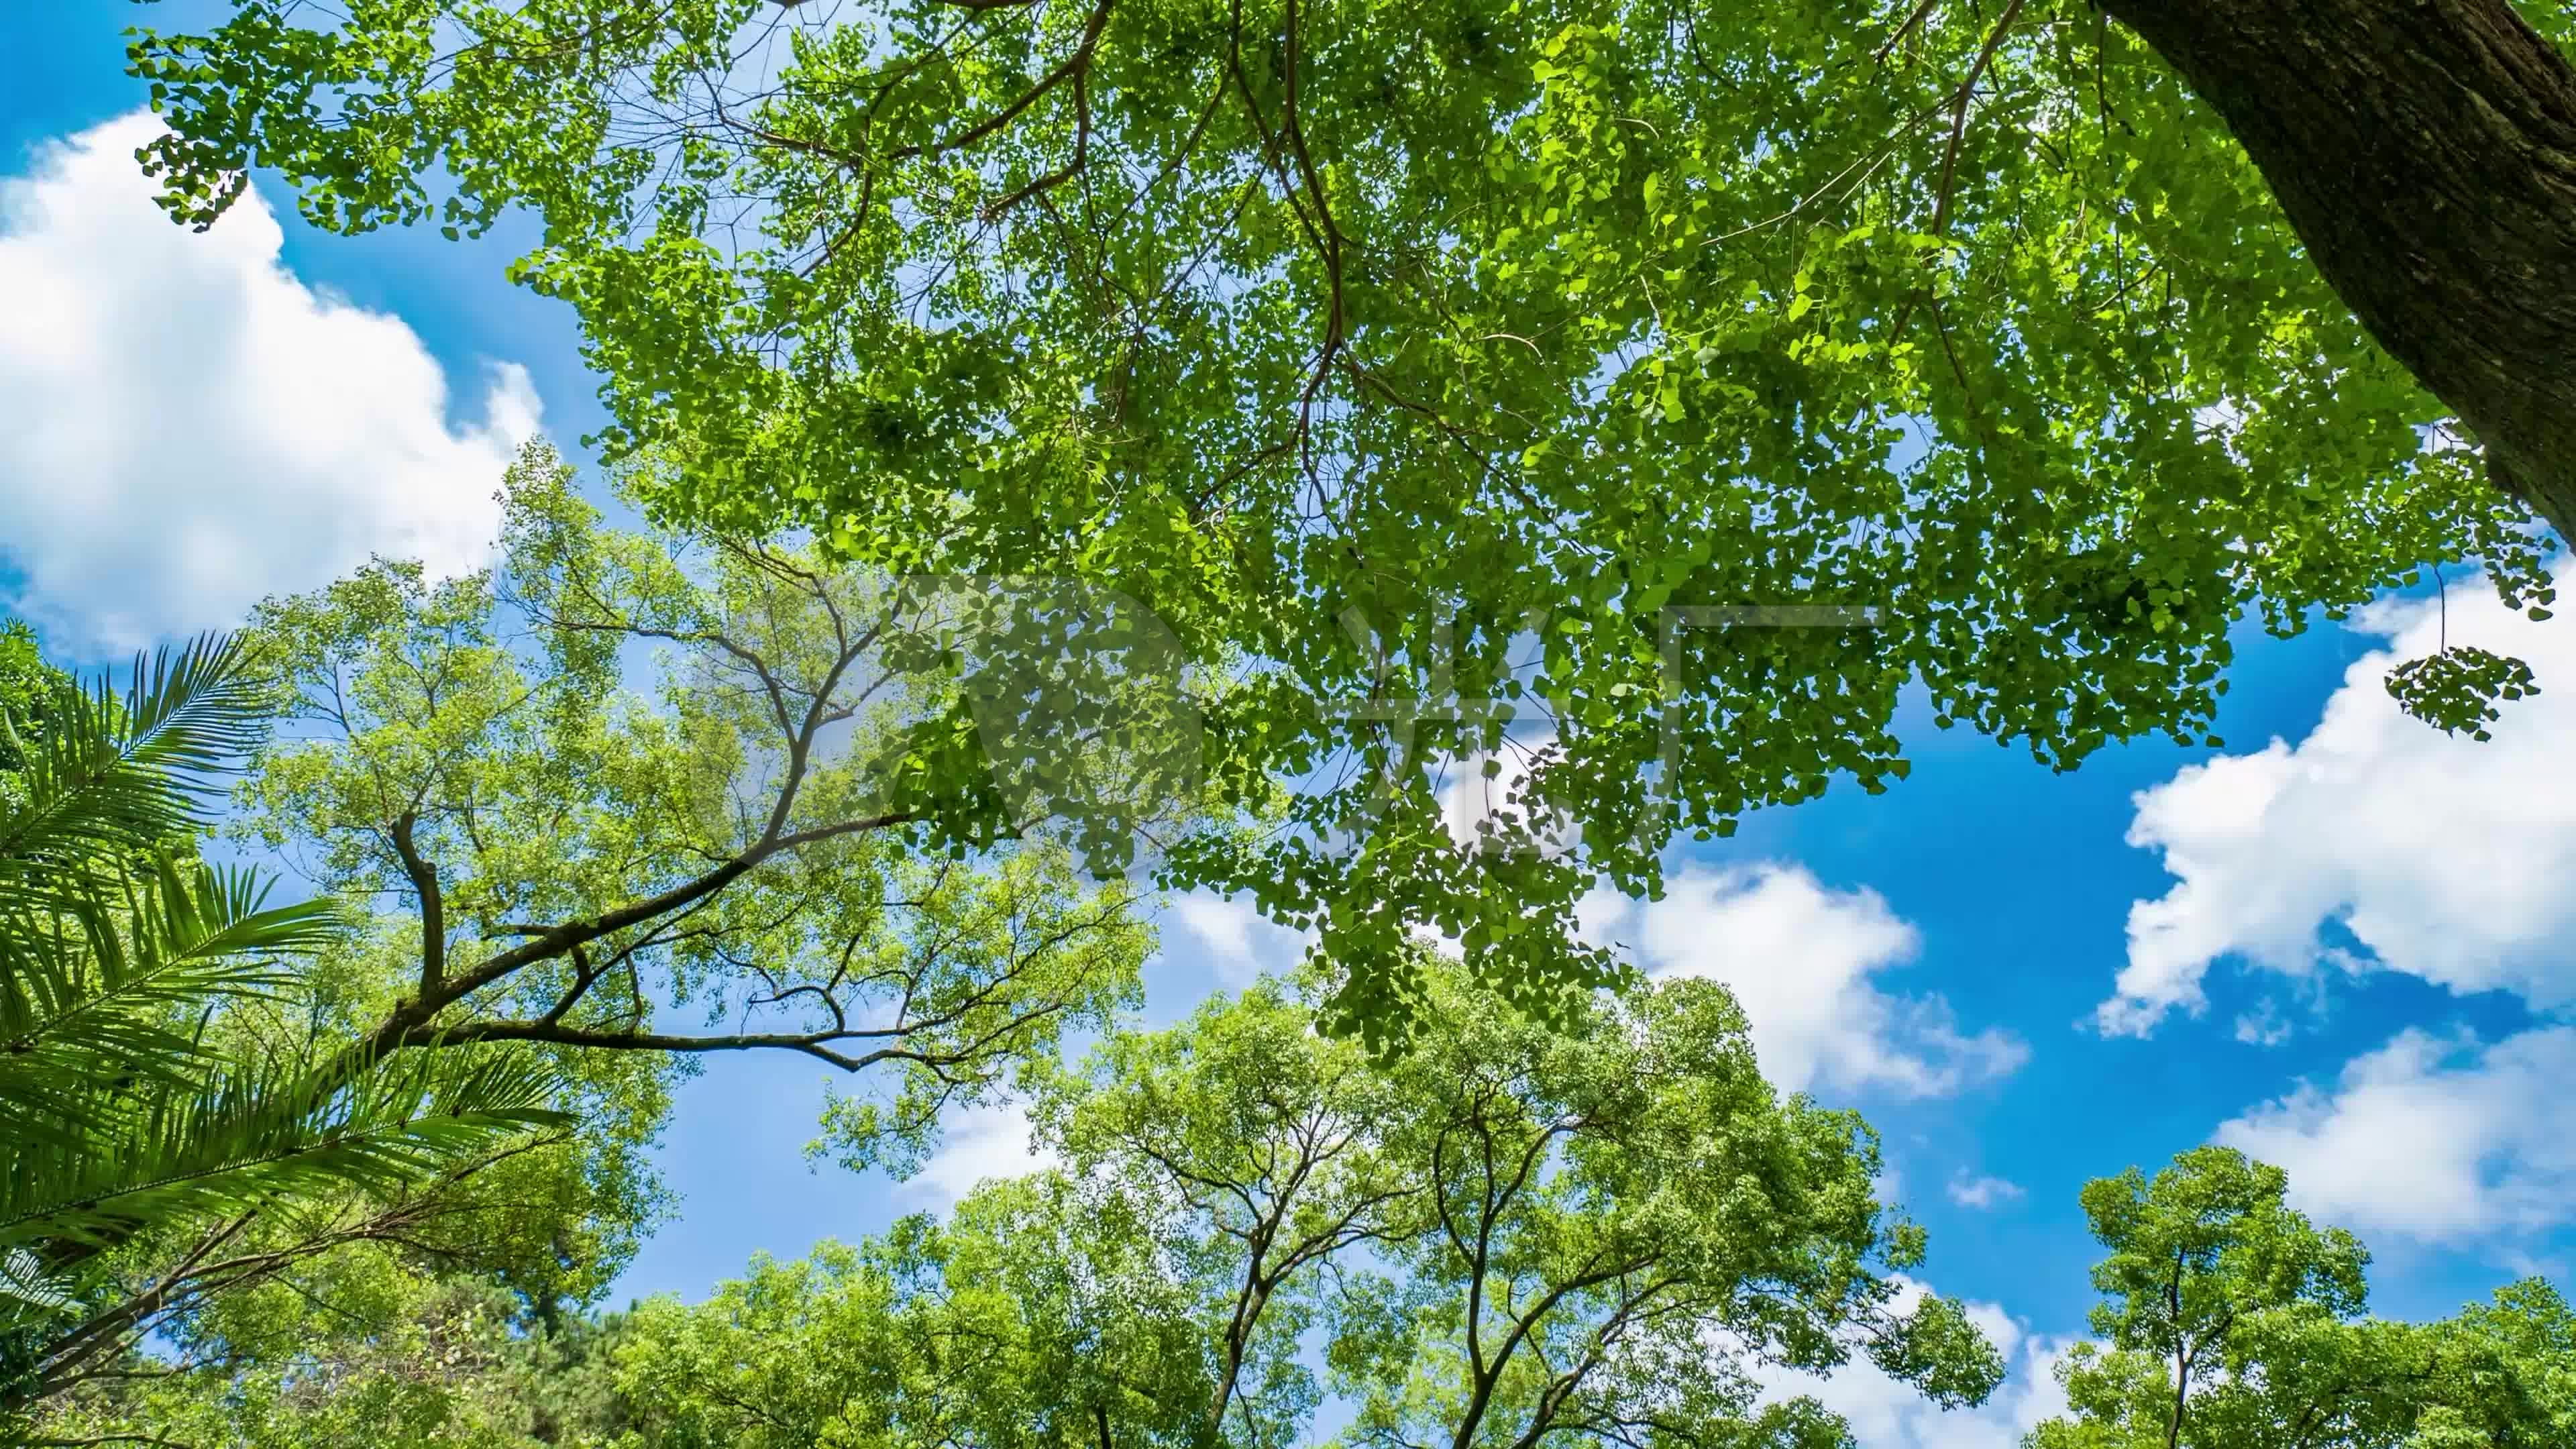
2346,940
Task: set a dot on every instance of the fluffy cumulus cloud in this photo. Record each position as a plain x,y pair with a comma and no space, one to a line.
1886,1414
185,427
2440,857
1228,939
977,1144
2436,1137
1805,961
1802,959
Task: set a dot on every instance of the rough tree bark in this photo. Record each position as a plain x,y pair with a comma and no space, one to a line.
2425,153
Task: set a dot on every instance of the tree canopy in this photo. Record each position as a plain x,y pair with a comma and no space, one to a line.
1602,1231
1407,464
1521,1233
618,781
2230,1319
1461,378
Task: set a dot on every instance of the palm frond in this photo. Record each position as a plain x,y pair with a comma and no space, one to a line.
120,1114
114,775
255,1135
94,995
25,1284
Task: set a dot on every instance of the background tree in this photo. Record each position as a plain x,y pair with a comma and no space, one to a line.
1518,1234
1267,1141
27,685
1043,1312
580,866
1614,1216
369,1350
1438,363
2228,1319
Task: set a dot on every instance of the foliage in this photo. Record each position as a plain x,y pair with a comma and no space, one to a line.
363,1350
27,684
527,869
626,779
1516,1233
1651,388
1433,362
2229,1320
1519,1234
2458,687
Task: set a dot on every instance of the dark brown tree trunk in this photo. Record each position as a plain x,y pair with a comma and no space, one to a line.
2425,153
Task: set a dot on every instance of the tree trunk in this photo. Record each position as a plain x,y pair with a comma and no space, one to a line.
2425,153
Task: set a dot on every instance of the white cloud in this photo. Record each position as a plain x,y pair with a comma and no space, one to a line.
2263,1025
977,1144
2435,1137
1800,958
1982,1192
1886,1414
1232,938
185,427
2445,857
1480,811
1889,1185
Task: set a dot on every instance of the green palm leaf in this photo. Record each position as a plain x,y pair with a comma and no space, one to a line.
94,996
115,775
256,1135
25,1284
116,950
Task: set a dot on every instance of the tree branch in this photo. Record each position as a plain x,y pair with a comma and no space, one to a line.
433,910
